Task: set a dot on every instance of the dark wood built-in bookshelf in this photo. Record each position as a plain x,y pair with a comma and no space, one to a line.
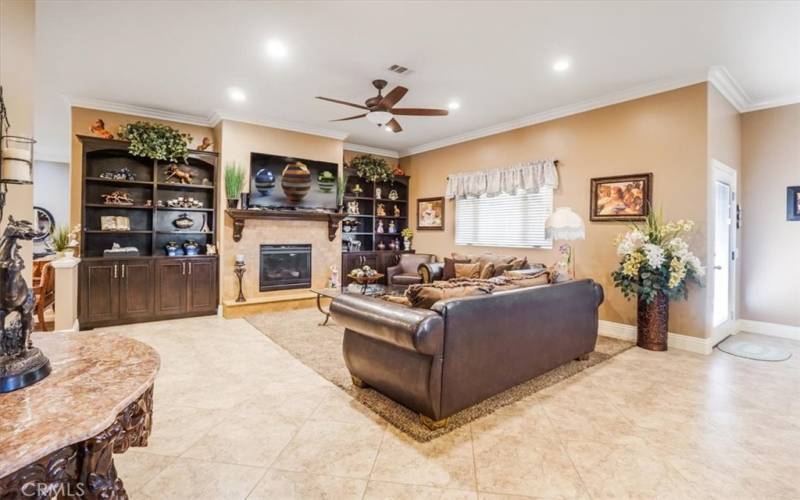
151,285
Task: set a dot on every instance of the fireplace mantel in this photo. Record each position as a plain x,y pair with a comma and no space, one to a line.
240,216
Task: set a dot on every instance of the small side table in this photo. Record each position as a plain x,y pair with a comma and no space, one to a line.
330,293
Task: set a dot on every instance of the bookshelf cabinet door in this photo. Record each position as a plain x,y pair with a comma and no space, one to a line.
99,292
202,285
171,286
136,289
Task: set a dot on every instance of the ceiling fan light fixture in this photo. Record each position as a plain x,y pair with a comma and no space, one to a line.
379,117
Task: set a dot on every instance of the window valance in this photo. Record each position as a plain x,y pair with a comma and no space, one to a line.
526,177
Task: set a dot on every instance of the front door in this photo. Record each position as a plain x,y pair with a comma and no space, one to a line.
724,268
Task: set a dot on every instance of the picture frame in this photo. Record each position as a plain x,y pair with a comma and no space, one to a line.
793,203
430,214
621,197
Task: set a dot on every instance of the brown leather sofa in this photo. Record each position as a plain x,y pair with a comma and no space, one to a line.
405,272
462,351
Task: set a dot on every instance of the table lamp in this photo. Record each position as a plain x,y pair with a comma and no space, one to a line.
564,224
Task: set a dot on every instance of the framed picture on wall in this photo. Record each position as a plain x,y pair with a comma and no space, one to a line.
793,203
430,213
621,198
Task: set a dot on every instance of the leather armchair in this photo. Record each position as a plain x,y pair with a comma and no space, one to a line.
431,271
406,271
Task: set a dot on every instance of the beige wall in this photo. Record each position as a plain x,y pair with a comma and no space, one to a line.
665,134
17,52
237,141
82,121
770,243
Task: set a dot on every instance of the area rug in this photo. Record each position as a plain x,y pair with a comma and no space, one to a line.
752,349
320,348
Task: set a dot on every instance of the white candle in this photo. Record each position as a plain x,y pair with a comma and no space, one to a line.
16,164
240,259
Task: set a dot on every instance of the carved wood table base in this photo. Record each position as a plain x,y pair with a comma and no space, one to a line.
85,469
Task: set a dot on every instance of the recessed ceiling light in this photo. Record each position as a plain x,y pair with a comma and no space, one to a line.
561,65
236,94
454,105
277,49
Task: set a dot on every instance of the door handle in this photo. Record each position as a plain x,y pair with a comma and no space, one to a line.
190,268
183,268
115,271
123,271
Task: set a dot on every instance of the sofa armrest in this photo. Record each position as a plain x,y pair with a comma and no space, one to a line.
417,330
431,271
598,293
390,272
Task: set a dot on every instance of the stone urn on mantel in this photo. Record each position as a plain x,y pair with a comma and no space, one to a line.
655,266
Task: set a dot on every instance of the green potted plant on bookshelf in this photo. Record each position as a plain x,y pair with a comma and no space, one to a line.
234,180
156,141
371,168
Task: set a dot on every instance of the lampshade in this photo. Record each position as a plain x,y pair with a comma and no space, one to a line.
564,224
379,117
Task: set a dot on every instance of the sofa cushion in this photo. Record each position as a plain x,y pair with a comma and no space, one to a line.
471,270
519,263
397,299
526,279
487,271
449,270
424,296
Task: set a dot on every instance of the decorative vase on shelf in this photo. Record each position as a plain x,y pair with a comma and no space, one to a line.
652,323
406,244
233,203
191,247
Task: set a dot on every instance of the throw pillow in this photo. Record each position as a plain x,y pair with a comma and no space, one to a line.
500,269
424,296
449,270
487,271
519,263
468,270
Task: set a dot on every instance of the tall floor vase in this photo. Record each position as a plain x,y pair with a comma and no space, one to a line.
652,323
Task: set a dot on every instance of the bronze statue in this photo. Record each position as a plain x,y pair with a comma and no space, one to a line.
21,364
174,173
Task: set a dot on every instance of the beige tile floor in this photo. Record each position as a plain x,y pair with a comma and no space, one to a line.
238,417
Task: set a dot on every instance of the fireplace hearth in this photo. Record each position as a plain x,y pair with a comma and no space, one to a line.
284,267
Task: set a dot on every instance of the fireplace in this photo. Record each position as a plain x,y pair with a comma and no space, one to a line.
284,267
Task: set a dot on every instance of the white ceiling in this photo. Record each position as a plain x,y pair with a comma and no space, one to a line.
494,57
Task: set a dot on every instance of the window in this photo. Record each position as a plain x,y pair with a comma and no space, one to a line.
505,220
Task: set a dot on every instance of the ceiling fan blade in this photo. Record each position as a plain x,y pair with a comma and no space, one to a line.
393,97
420,112
394,126
343,102
349,118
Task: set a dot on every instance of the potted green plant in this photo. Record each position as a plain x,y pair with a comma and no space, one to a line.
234,180
407,235
372,168
156,141
655,266
66,240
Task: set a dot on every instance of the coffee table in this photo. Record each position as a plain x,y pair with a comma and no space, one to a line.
373,290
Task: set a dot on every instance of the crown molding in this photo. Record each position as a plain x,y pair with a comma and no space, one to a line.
145,112
302,128
729,88
358,148
562,111
773,103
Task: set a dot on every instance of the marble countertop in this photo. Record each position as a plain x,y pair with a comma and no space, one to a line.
94,377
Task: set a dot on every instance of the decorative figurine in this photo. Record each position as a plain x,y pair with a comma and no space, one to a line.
183,221
379,229
123,174
117,198
211,249
21,364
182,202
173,249
148,203
191,247
357,189
392,227
398,172
381,209
205,144
397,244
175,174
333,281
381,246
238,270
99,128
326,181
264,181
119,251
115,223
396,211
378,193
393,195
205,227
352,208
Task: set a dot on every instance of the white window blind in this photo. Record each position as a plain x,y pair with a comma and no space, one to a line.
504,220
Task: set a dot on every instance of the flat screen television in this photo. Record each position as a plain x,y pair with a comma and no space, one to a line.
280,182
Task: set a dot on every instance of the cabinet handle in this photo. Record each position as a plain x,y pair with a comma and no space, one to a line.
123,271
115,271
190,268
183,268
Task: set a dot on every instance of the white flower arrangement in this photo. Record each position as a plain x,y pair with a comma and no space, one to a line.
656,259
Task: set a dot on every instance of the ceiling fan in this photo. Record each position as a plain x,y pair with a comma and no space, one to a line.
380,109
